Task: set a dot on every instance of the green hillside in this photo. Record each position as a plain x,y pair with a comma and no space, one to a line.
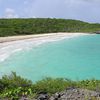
9,27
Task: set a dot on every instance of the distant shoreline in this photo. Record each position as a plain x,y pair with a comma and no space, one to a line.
24,37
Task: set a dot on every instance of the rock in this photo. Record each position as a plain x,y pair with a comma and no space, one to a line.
43,96
97,32
75,94
24,98
71,93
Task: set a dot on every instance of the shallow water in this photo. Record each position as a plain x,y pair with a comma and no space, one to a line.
75,58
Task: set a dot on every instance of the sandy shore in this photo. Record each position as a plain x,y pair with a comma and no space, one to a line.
10,45
16,38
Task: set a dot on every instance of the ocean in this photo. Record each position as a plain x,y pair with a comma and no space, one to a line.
74,58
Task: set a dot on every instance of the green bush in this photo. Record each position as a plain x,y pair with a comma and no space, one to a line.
51,85
13,86
13,81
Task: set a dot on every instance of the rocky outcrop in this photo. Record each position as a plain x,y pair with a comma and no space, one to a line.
76,94
72,94
68,94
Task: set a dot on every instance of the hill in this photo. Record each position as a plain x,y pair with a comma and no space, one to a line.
11,27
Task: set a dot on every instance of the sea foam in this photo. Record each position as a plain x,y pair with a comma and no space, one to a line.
9,48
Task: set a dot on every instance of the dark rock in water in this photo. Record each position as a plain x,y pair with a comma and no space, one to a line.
98,32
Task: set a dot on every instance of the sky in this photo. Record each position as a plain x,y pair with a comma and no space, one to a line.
85,10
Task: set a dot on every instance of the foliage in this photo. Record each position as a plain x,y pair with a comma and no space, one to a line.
14,87
16,93
13,81
89,84
9,27
50,85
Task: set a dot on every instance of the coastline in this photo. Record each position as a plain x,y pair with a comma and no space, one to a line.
10,45
23,37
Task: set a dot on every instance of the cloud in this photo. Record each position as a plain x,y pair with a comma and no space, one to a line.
86,10
10,13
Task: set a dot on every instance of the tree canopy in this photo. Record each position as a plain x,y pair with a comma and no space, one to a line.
10,27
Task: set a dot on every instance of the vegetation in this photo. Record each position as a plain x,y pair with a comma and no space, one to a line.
14,87
9,27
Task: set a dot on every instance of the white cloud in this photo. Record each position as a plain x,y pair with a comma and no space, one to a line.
10,13
34,17
87,10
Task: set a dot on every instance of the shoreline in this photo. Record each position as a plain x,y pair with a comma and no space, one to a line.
11,45
23,37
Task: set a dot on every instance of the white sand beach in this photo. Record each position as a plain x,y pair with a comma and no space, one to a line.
10,45
58,35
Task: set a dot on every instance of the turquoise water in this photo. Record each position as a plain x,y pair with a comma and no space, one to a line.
76,58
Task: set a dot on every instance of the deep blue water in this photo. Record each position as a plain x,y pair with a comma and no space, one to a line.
76,58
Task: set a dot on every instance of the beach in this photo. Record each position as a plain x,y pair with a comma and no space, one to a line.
22,37
12,44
